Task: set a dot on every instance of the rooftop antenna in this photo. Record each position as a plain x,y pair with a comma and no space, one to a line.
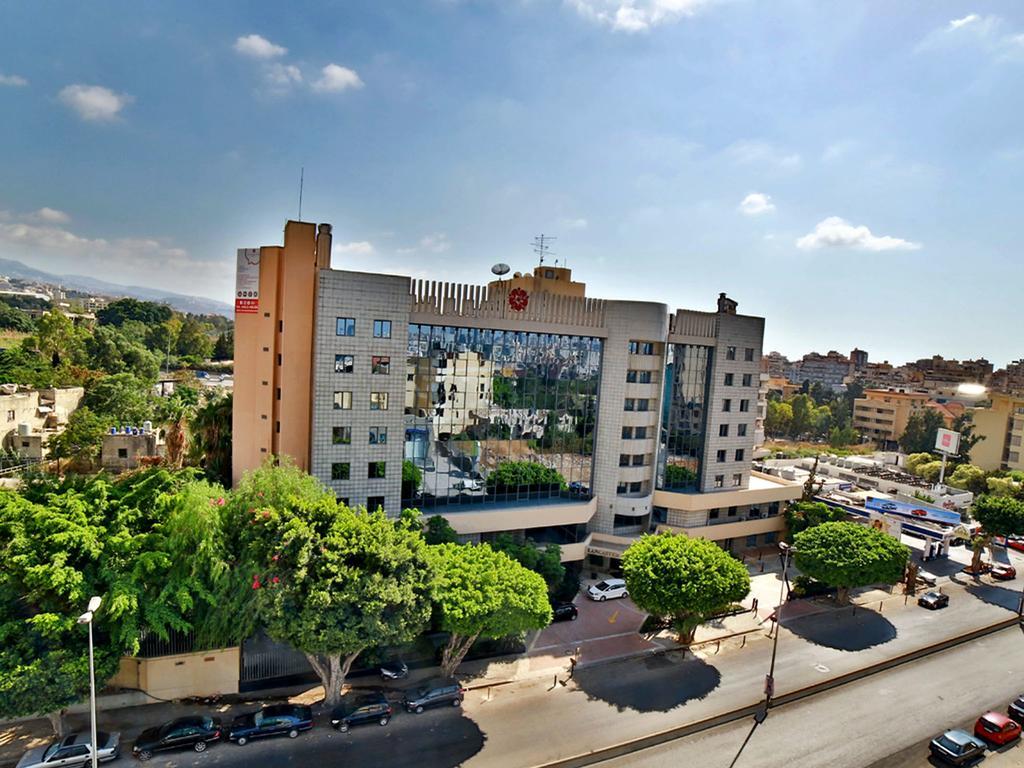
302,178
541,246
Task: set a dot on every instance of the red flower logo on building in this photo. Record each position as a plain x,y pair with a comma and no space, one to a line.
518,299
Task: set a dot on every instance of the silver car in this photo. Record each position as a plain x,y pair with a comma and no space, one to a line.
73,750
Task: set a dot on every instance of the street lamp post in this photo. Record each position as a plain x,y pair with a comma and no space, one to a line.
86,618
769,681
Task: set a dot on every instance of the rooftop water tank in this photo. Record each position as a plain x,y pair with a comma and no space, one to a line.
24,429
147,427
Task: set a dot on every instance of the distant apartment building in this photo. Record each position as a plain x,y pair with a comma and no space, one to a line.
882,414
858,359
776,365
131,447
830,370
30,417
1002,427
397,392
1010,378
937,370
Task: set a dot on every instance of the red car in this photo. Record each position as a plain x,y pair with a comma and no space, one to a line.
919,512
1003,572
996,728
1015,542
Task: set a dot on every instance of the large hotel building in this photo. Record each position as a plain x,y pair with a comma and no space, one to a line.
522,405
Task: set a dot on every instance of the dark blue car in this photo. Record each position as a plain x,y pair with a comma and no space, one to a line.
275,720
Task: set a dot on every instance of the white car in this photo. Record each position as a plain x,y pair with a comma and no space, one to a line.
72,750
609,589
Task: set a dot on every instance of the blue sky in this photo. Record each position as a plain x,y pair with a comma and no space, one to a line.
850,171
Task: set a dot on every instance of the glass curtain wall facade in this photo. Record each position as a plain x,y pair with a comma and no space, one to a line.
498,416
684,416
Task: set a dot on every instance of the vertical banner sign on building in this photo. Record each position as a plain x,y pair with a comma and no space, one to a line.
247,281
948,442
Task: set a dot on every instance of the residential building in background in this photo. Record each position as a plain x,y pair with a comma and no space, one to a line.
882,414
1010,378
831,370
131,448
776,365
399,393
1002,427
30,417
937,371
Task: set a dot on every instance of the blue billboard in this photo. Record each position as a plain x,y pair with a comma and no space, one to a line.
915,511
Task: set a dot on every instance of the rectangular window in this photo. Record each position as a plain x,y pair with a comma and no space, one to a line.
643,404
726,405
640,433
341,435
769,538
380,365
631,377
382,329
741,430
373,503
739,454
737,480
343,401
720,457
732,511
752,541
122,453
744,406
10,415
748,354
730,353
622,488
647,348
375,470
723,430
378,401
645,377
728,379
345,326
623,459
344,363
636,487
378,435
713,513
634,347
627,433
630,404
638,460
748,379
340,470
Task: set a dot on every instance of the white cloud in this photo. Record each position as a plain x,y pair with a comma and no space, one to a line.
756,152
636,15
335,78
835,232
258,47
968,19
94,102
14,81
51,216
757,203
280,77
435,242
579,223
355,248
970,30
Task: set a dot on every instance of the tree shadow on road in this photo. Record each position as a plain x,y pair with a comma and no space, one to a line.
994,595
844,630
653,684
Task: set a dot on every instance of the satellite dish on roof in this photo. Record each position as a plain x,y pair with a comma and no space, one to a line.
501,269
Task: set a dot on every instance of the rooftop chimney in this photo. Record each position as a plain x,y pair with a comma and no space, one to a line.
323,246
726,305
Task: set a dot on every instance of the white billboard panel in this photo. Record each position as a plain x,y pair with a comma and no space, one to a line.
948,442
247,281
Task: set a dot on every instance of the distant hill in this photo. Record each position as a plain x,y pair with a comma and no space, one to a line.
195,304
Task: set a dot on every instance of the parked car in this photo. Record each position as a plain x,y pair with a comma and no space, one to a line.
394,669
193,732
1015,542
956,747
607,590
927,578
73,750
933,600
997,728
274,720
564,612
433,693
357,709
1016,709
1003,572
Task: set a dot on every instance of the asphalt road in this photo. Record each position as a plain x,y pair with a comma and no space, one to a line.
884,721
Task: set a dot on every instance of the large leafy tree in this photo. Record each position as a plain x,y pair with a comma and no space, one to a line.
964,424
513,476
922,426
210,438
847,555
329,580
439,531
686,579
801,515
116,313
968,477
999,516
779,419
113,351
122,398
546,560
479,592
81,441
194,340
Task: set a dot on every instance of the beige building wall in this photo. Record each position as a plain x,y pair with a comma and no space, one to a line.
1002,426
206,673
882,414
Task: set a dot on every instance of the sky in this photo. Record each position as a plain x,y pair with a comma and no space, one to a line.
850,171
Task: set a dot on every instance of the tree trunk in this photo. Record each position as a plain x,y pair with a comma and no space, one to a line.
978,545
686,625
332,671
56,719
455,651
843,595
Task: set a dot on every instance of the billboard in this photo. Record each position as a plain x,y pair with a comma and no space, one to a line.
948,442
916,511
247,281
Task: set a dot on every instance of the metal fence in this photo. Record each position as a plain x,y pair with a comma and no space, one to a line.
265,661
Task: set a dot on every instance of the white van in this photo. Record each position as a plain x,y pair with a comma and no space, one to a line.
609,589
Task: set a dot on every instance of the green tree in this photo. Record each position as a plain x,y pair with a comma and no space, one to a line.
839,437
163,337
687,579
803,415
329,580
921,429
546,560
194,340
412,477
58,339
210,438
964,424
479,592
112,351
439,531
224,347
120,399
15,320
929,471
116,313
915,460
81,441
999,516
175,413
801,515
679,476
847,555
970,478
521,476
779,419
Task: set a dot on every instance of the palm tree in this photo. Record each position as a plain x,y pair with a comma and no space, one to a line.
211,439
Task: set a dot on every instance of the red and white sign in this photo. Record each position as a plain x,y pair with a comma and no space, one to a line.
948,442
247,281
518,299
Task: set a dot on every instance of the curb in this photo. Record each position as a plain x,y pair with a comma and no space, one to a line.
671,734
